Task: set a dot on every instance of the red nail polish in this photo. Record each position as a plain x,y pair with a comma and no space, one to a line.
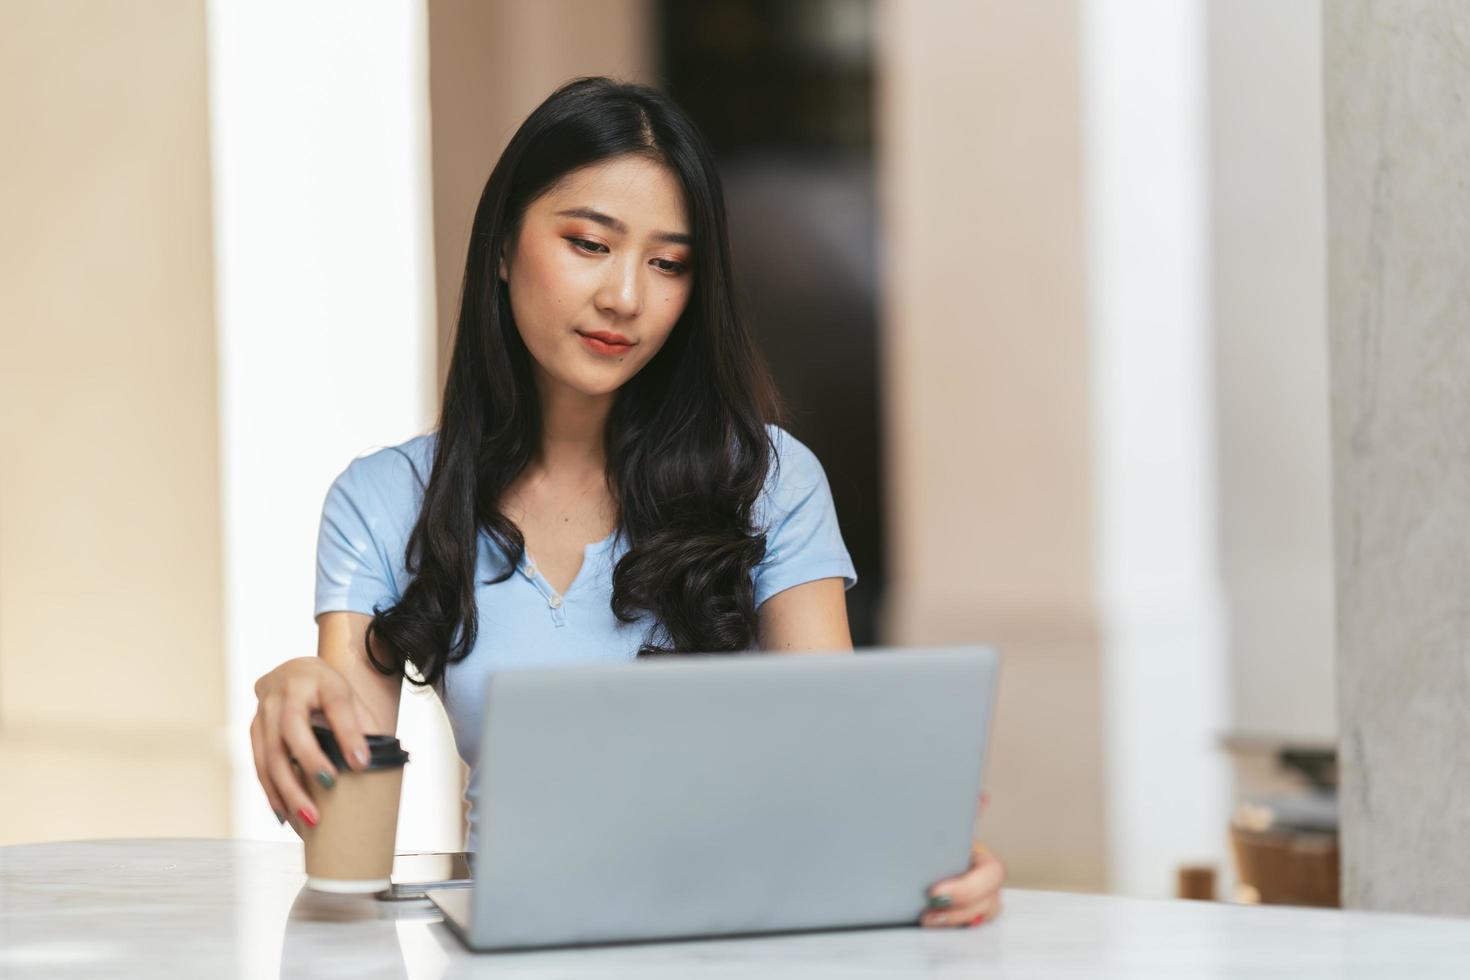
305,814
977,920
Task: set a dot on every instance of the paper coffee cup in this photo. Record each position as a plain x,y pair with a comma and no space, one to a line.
351,847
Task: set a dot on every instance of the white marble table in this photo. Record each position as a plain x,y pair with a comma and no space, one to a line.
216,908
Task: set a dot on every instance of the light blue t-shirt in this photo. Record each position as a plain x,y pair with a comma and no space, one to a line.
371,508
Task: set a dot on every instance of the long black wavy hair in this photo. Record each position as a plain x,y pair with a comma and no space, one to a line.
686,443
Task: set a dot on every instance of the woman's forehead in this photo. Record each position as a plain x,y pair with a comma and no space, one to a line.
641,193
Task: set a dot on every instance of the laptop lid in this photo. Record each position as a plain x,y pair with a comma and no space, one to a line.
722,794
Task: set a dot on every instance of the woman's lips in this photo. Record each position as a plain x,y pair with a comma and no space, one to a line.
602,342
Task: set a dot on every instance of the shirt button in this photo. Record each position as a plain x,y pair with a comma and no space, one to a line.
554,602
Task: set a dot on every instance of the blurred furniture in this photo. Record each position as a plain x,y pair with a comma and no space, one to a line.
1196,882
1287,868
1285,841
1286,850
189,907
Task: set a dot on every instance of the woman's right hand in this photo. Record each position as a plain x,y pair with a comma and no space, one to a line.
281,735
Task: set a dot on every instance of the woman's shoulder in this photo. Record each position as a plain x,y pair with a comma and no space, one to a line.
794,468
393,472
795,483
367,521
799,519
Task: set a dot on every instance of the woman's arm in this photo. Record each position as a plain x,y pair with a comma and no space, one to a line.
809,617
341,643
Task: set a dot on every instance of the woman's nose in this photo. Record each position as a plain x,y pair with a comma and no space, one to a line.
622,290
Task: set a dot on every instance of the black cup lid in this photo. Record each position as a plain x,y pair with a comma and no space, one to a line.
384,750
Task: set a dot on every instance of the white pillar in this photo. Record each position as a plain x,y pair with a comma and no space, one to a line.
1270,324
324,275
1164,682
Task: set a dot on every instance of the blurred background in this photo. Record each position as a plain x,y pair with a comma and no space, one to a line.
1043,284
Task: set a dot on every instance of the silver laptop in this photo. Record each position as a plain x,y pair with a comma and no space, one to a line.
715,795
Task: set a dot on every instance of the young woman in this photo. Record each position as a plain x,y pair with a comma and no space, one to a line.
605,480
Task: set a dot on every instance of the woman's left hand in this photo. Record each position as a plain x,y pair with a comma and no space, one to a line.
974,897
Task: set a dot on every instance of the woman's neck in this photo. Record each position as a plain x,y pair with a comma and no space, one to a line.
573,426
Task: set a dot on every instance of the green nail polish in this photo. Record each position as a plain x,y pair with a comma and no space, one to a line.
940,901
325,778
280,817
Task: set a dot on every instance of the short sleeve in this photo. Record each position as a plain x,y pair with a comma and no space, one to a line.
803,541
365,522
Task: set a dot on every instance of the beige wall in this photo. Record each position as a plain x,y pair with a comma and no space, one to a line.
986,382
111,669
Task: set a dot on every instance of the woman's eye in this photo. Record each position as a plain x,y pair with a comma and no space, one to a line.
597,248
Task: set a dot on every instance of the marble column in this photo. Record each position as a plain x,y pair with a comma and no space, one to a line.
1398,139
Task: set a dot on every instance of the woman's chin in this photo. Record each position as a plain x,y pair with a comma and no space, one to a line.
594,383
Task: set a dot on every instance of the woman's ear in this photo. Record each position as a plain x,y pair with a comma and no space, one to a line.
504,275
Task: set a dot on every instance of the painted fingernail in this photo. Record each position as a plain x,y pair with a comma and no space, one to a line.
977,920
280,817
325,778
307,816
940,901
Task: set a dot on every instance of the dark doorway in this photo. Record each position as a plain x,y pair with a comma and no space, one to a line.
783,90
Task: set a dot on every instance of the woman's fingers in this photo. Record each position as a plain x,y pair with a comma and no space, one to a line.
975,893
966,916
262,772
302,745
972,915
344,717
984,877
287,754
288,784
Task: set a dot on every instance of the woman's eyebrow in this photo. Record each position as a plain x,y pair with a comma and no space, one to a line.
608,221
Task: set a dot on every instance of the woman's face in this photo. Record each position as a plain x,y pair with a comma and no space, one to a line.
600,272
